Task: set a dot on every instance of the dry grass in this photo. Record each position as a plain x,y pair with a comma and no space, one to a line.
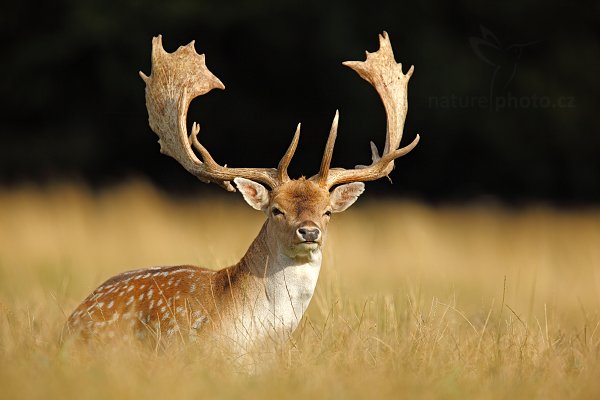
413,301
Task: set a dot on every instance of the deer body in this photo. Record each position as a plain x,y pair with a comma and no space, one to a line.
265,294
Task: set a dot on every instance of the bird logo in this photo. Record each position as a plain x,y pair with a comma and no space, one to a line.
504,58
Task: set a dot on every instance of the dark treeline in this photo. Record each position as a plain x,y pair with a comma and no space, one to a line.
503,95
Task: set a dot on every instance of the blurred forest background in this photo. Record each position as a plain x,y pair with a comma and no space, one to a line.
504,95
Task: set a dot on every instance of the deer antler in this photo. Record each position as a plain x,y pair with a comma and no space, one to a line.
385,75
176,79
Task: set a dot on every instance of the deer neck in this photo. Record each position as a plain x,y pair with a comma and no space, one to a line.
278,288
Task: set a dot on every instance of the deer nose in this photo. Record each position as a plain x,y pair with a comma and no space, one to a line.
308,234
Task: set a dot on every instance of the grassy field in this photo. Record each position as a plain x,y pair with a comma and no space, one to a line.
414,301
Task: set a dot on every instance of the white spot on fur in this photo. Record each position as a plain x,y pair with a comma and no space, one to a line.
185,270
198,322
110,305
129,301
172,331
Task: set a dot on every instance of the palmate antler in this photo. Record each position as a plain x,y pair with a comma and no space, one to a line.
385,75
177,78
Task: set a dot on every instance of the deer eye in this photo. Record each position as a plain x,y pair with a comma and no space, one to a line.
276,211
327,213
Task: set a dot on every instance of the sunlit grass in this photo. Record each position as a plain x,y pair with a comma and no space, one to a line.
414,301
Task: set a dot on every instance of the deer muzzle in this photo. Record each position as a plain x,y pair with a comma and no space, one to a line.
309,233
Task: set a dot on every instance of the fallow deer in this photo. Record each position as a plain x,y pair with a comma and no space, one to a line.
267,292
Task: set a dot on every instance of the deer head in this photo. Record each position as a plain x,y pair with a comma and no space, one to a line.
297,210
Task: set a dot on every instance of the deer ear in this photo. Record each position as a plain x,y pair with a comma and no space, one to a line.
254,193
344,196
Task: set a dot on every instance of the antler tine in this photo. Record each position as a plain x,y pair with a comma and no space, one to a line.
328,153
385,75
176,79
282,174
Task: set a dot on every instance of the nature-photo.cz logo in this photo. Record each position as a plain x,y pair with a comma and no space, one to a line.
504,60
